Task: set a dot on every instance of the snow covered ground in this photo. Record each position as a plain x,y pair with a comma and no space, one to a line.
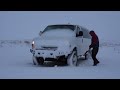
16,59
16,63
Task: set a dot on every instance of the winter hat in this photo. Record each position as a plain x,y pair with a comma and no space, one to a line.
91,32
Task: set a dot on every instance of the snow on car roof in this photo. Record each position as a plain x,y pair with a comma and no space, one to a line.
60,26
64,24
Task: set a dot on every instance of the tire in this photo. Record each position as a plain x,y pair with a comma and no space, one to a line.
38,60
86,57
72,59
62,60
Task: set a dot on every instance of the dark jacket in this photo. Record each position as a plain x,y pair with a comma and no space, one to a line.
94,40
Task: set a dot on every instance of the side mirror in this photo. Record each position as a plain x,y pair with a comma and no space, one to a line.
80,33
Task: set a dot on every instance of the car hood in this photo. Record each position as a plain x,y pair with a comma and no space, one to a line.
52,42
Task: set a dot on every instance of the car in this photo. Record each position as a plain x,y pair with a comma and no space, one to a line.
62,43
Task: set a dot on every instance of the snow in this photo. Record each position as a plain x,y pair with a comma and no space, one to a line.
16,63
27,24
59,33
17,29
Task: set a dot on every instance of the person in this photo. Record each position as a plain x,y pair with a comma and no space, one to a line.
95,47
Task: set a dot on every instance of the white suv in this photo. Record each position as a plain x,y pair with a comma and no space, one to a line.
61,42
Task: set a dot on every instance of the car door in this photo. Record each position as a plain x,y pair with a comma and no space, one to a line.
86,40
79,42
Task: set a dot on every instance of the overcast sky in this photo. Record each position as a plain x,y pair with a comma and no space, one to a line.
27,24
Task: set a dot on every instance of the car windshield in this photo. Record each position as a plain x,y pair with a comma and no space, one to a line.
59,30
51,27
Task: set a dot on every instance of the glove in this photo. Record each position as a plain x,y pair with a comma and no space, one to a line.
90,46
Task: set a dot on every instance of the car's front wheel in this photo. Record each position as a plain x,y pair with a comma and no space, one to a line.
72,59
38,60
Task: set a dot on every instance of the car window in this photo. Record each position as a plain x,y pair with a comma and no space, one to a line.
86,33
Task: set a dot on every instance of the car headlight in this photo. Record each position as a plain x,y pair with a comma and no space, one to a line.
33,44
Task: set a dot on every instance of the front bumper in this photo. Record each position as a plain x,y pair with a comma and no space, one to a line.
49,53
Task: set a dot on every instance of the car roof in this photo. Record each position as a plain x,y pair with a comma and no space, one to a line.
62,24
69,24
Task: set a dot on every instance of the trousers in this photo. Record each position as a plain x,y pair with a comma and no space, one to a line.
94,53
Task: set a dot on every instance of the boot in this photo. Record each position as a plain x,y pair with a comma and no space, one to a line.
95,63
